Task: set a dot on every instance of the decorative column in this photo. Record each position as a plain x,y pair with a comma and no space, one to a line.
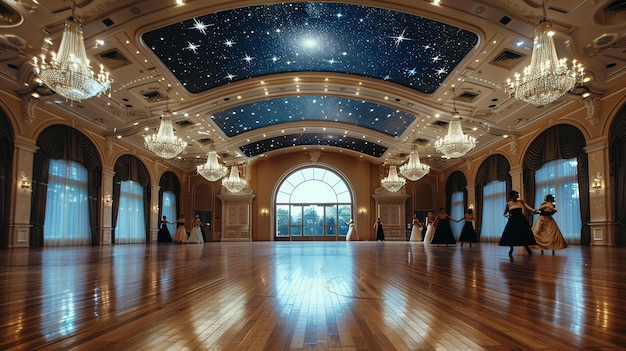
391,209
21,196
236,215
602,219
154,213
517,180
471,196
106,212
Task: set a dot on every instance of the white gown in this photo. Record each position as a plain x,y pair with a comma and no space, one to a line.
351,233
416,232
195,237
430,230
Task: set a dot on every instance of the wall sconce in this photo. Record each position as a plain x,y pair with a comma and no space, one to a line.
24,183
264,211
108,200
596,185
362,211
155,209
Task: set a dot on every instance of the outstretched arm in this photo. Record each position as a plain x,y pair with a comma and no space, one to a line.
527,207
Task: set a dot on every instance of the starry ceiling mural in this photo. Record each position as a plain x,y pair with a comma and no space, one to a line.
215,49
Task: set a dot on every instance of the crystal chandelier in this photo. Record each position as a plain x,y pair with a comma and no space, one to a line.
547,77
414,169
455,144
233,183
392,182
69,72
212,170
164,143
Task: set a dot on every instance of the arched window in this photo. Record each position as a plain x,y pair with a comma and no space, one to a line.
312,204
130,227
67,205
560,178
492,220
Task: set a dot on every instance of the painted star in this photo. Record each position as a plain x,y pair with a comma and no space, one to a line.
387,77
230,76
400,38
441,71
248,59
331,61
274,59
436,58
229,43
192,47
412,72
427,46
200,26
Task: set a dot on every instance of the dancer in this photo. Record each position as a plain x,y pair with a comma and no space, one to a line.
164,235
468,233
545,229
416,230
517,231
430,228
443,232
380,234
196,235
352,234
181,231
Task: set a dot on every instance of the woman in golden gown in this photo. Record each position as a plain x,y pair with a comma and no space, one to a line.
546,231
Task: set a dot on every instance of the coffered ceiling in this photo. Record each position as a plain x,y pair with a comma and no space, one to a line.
361,77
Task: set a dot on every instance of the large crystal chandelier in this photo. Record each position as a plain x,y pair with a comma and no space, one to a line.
69,72
212,170
547,77
233,183
392,182
455,144
164,143
414,169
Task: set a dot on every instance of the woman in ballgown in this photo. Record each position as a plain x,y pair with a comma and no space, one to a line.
545,229
517,231
195,237
351,235
430,228
416,230
380,234
443,232
468,233
181,231
164,235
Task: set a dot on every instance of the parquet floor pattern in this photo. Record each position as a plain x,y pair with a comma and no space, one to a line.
311,296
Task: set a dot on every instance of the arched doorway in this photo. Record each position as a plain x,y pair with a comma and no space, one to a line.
312,204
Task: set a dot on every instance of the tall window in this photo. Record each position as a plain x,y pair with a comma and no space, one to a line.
456,211
131,226
169,209
67,205
493,220
312,204
560,178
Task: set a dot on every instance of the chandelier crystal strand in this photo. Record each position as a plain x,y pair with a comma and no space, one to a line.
392,182
233,183
164,143
547,77
455,144
69,72
414,169
212,170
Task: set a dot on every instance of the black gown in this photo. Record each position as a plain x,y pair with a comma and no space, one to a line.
443,233
468,234
517,231
380,234
164,234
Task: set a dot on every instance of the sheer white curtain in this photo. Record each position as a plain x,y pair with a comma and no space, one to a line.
67,205
456,211
131,226
169,210
493,220
560,178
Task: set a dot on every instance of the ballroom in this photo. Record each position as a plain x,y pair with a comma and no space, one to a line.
280,133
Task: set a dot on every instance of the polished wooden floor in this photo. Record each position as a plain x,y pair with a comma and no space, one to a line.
311,296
